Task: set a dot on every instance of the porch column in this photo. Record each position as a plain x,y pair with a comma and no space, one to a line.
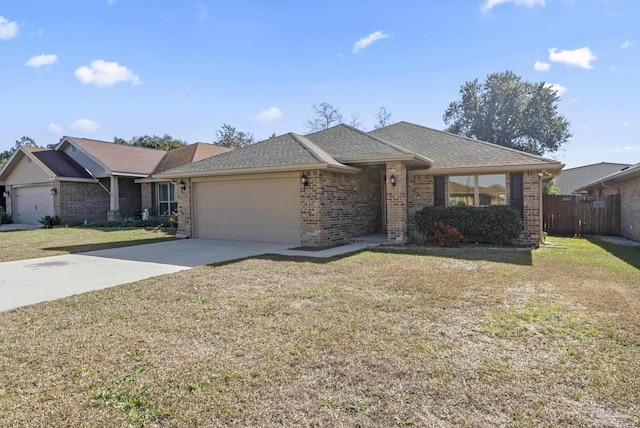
114,200
396,202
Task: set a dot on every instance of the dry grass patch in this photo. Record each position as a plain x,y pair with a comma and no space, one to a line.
375,339
29,244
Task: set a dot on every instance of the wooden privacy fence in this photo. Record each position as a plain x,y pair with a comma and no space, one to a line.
581,214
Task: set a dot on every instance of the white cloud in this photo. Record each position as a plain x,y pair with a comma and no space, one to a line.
111,2
558,88
490,4
40,60
84,125
366,41
55,129
269,114
626,149
626,44
104,73
625,123
541,66
8,29
578,57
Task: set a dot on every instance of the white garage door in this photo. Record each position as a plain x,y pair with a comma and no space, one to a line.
265,210
31,204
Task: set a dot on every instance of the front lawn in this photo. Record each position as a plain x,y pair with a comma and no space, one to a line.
456,337
29,244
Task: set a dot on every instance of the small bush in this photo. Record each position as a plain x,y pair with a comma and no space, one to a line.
5,218
419,238
50,221
496,224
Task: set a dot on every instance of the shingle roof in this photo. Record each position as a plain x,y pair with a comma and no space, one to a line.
120,158
279,151
61,164
448,150
343,145
188,154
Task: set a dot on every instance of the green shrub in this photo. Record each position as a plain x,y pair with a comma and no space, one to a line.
496,224
5,218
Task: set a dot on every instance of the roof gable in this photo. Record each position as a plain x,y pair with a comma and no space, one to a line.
188,154
118,158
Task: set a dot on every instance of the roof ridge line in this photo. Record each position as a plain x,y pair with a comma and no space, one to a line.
312,148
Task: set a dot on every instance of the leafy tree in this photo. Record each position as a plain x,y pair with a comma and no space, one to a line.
166,142
24,141
511,112
551,188
325,116
383,118
228,136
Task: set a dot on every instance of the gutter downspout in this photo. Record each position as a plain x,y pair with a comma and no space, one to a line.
98,181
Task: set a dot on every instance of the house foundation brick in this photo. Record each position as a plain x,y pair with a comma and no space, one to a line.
80,201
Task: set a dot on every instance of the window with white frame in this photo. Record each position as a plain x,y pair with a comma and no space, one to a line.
478,190
167,202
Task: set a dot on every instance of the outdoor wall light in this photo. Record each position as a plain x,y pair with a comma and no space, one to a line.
183,185
392,180
304,180
6,194
53,191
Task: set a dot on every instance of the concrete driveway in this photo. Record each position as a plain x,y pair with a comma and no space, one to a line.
26,282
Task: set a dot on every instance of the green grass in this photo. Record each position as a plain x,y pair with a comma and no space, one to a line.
453,337
28,244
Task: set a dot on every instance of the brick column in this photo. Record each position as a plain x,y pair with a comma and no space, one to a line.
397,203
532,191
185,229
311,211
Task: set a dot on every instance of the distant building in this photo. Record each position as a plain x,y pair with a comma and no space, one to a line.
574,178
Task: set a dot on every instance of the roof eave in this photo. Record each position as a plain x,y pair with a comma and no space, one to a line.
551,168
411,158
279,168
608,181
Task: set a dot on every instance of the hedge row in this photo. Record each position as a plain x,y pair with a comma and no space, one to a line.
496,224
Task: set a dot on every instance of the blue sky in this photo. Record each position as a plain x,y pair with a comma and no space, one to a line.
105,68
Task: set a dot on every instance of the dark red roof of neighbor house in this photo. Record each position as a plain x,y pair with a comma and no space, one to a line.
188,154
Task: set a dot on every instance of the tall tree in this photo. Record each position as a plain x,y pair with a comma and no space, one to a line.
166,142
324,116
383,118
24,141
228,136
511,112
355,121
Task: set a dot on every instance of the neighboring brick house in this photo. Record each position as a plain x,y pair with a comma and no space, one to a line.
334,185
84,179
626,183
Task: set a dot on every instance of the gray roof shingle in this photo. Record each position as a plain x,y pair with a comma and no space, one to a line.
448,150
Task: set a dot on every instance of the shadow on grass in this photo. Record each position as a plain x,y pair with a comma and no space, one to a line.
516,256
628,253
74,249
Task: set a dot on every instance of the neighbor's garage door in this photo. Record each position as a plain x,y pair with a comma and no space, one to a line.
31,204
265,209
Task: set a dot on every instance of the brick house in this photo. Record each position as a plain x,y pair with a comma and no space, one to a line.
626,183
340,183
91,180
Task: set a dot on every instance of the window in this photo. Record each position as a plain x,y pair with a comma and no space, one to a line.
478,190
167,202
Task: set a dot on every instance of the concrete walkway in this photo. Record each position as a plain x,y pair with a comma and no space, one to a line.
17,226
27,282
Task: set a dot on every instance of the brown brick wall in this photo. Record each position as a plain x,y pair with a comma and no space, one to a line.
146,200
630,209
130,198
397,203
420,195
336,207
83,201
